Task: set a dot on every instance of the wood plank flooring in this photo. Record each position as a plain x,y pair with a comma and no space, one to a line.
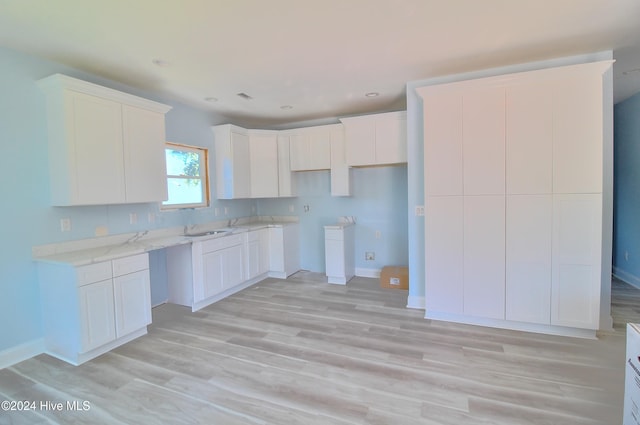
300,351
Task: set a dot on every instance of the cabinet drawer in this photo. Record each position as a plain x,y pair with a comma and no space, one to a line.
93,273
127,265
221,243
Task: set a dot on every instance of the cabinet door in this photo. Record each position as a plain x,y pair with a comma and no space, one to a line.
95,124
340,171
578,134
258,250
233,177
253,261
360,139
310,149
212,278
483,134
291,249
132,294
529,139
528,258
443,143
144,158
298,151
232,266
444,254
334,257
240,165
286,180
320,150
97,321
484,256
263,154
577,240
391,139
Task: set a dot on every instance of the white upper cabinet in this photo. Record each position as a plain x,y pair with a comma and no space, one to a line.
376,139
263,161
105,146
577,133
310,148
443,152
529,138
252,163
286,181
340,171
483,141
233,179
144,164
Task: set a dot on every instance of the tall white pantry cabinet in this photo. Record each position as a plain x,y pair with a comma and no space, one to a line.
514,199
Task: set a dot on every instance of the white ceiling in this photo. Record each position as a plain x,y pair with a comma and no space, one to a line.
321,56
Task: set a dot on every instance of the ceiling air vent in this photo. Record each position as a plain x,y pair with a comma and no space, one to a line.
245,96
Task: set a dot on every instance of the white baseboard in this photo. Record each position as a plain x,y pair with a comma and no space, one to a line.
374,273
626,277
415,302
21,352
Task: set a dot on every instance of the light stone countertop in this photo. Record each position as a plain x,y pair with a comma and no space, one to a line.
94,250
344,221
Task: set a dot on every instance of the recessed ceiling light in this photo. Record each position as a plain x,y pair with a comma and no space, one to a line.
245,96
211,99
160,62
286,107
372,94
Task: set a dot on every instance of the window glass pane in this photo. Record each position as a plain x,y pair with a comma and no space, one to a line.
182,163
184,191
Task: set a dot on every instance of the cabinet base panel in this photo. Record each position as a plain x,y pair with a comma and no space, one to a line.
208,301
80,358
339,280
516,326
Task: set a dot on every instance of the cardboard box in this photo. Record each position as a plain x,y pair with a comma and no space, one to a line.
396,277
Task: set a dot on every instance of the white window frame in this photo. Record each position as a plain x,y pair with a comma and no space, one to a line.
203,155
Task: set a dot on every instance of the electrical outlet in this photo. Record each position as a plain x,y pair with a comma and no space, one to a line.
306,208
626,256
216,211
226,210
101,231
65,224
419,210
378,234
151,217
369,256
133,218
291,209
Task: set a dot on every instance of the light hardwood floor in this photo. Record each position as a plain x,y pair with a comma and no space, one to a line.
304,352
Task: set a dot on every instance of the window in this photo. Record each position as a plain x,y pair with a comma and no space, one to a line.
187,176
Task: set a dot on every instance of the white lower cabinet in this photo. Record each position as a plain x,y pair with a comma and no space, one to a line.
575,282
218,264
483,261
132,296
284,250
528,258
339,249
97,322
89,310
209,270
212,264
257,252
